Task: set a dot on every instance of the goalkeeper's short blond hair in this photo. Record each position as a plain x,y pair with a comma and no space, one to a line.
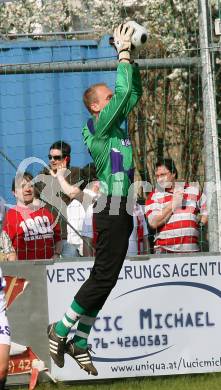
90,95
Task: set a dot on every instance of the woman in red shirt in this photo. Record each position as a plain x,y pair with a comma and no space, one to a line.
31,227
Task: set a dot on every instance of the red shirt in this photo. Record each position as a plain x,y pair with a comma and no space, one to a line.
33,232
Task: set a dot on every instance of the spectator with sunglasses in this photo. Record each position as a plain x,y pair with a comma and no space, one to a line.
51,187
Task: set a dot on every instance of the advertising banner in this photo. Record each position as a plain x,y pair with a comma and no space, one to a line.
162,318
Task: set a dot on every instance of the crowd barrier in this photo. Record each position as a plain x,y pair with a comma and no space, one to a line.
162,318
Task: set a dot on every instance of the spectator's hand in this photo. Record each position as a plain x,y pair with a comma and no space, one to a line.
122,41
56,256
177,199
60,173
96,186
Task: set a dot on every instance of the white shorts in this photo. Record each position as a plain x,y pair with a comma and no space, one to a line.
4,326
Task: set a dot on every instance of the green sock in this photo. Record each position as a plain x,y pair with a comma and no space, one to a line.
83,329
70,318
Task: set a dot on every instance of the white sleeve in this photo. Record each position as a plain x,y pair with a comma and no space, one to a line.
87,229
144,222
2,208
75,216
2,280
140,212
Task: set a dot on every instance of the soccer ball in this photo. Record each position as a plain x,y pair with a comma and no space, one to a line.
139,36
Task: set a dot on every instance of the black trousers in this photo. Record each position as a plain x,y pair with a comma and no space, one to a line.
2,384
111,248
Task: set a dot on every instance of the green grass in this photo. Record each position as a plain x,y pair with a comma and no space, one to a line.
179,382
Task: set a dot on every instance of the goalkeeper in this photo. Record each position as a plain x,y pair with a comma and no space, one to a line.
111,151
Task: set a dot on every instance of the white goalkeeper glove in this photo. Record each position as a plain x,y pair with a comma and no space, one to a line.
122,41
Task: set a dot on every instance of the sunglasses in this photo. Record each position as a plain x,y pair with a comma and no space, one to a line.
56,158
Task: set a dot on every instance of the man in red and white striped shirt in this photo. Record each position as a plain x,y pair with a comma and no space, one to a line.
174,209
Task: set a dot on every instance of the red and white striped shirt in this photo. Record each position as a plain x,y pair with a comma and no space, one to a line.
181,231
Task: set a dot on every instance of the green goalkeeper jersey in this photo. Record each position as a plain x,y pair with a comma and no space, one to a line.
108,144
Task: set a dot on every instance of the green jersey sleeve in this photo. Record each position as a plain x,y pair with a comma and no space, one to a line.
112,114
136,91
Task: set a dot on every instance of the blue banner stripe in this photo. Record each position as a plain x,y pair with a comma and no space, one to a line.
202,286
127,359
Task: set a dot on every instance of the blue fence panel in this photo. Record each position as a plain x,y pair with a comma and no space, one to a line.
39,109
